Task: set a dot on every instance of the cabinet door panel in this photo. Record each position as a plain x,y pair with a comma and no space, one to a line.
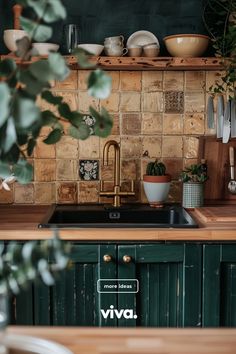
169,278
219,285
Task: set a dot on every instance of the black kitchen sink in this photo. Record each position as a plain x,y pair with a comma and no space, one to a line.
103,216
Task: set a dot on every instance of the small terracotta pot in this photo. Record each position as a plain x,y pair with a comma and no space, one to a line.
156,189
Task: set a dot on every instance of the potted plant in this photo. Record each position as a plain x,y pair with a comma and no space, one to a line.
156,183
193,178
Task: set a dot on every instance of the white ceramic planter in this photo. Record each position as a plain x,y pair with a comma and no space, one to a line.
156,189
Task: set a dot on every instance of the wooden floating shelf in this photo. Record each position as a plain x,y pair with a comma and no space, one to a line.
144,63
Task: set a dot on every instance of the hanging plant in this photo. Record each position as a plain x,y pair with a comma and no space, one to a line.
22,83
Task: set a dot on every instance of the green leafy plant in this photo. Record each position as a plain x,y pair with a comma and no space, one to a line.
20,265
194,174
23,82
220,20
156,168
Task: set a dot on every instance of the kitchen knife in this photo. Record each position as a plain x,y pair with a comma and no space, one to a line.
233,118
210,113
220,116
226,123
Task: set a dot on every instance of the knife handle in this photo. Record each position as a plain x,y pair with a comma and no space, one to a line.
231,156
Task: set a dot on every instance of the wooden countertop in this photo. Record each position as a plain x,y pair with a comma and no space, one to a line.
20,223
136,341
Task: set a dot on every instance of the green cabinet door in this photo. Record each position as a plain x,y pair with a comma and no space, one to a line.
219,285
73,300
169,278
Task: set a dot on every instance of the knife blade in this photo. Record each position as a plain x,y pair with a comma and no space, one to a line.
226,123
233,118
220,116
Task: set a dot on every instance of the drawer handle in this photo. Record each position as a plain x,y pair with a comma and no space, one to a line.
107,258
127,259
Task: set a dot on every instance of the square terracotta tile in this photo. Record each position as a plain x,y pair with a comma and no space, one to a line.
173,80
45,193
131,147
43,150
174,101
88,192
112,102
172,146
67,147
195,80
115,77
151,146
67,170
130,102
45,170
152,102
191,147
152,123
85,101
70,83
89,148
131,124
116,124
174,166
130,80
194,101
173,123
89,170
67,193
7,197
194,123
130,170
175,194
24,194
152,81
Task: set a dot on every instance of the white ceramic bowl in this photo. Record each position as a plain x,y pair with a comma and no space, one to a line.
11,36
44,48
95,49
186,45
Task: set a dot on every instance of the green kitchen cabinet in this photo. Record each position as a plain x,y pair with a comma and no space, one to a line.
169,277
74,299
219,285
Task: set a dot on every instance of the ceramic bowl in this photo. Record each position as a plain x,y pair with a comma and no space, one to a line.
44,48
95,49
11,36
186,45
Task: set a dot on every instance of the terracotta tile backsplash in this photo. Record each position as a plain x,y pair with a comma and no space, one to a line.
156,115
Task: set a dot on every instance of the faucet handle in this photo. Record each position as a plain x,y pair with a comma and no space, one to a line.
101,185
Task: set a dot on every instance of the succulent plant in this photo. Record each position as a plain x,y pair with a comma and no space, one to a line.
193,173
156,168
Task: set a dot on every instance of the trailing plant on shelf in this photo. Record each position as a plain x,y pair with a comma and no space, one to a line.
22,83
220,20
193,174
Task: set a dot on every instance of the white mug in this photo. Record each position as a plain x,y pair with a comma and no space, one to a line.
115,50
115,39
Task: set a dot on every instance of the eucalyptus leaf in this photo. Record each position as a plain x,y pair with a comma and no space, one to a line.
4,170
81,133
40,33
99,84
10,137
65,111
30,147
83,58
4,102
25,112
23,48
53,137
48,118
58,66
51,98
49,10
7,67
42,71
103,123
23,171
32,85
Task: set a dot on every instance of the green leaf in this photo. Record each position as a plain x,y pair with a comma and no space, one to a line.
50,98
83,58
40,33
99,84
65,111
49,10
32,85
53,137
4,102
41,70
48,118
10,137
58,66
23,171
25,112
4,170
23,48
81,133
30,147
103,124
7,67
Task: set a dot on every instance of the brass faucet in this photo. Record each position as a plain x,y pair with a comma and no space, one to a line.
116,193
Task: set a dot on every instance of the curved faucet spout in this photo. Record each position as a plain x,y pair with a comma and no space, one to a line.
117,159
